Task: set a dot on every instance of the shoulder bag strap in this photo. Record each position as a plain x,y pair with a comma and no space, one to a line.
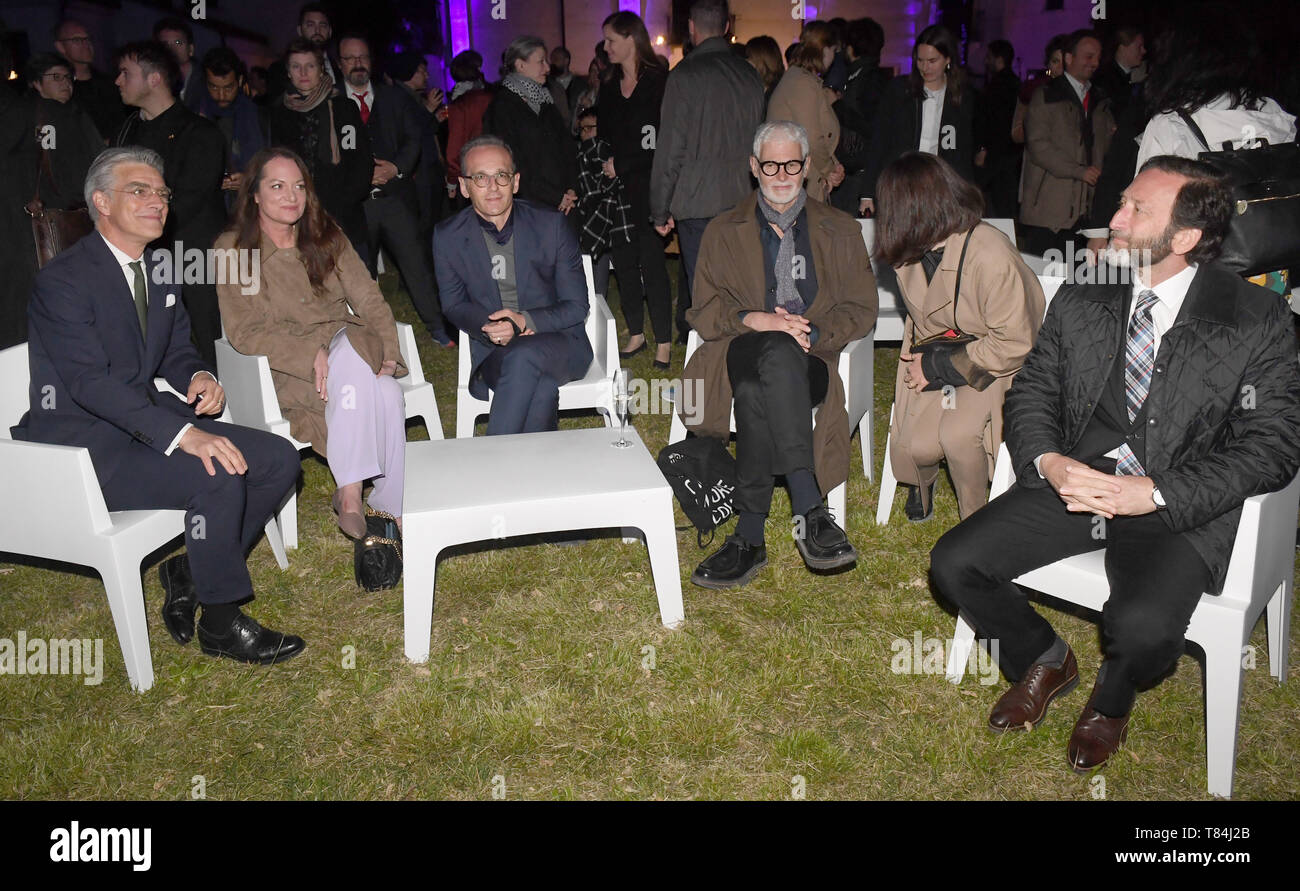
961,261
1196,131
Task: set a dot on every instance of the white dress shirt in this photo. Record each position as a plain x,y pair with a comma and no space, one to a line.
1080,88
931,116
124,261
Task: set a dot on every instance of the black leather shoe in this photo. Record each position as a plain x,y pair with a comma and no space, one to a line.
913,509
823,543
628,354
247,641
734,564
178,606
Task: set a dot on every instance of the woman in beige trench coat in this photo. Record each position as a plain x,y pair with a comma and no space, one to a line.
948,404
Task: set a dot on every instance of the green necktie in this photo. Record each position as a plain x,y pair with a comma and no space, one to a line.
141,296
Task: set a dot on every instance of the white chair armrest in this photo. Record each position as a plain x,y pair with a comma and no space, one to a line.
59,493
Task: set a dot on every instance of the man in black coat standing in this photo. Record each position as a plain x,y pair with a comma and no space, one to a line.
1150,411
713,103
194,159
395,124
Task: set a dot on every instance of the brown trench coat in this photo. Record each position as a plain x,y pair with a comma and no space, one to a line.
284,321
800,97
729,280
1001,303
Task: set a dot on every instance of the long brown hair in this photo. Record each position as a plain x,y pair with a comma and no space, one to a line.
945,42
765,56
921,200
629,24
318,238
816,36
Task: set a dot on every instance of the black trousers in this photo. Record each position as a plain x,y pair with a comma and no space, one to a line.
205,318
690,233
393,223
775,385
525,376
643,275
1156,579
224,514
1039,239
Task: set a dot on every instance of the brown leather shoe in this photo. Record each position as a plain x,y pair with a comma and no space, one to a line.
1023,706
1095,738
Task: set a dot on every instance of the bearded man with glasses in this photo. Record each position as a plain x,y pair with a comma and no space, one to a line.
782,284
511,278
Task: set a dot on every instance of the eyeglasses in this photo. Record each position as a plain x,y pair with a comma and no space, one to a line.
73,40
587,128
480,180
140,193
177,42
770,168
57,76
351,59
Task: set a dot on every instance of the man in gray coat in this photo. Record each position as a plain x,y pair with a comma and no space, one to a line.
713,103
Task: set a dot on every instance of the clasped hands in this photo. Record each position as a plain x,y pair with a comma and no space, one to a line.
1084,489
796,326
913,377
500,331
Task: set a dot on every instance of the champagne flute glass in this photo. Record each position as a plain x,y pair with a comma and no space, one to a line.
621,407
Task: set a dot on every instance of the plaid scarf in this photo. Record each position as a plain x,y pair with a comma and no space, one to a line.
602,208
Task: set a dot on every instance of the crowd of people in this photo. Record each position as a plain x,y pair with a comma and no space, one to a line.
1118,402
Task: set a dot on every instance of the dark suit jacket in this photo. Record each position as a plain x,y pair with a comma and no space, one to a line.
548,276
396,130
1223,411
92,375
897,129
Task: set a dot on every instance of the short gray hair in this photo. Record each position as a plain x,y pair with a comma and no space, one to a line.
99,178
780,130
485,141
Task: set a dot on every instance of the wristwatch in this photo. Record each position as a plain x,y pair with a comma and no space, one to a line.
1158,499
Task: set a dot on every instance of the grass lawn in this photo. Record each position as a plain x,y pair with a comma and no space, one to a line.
550,677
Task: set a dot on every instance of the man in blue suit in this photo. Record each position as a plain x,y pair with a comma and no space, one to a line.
103,324
511,278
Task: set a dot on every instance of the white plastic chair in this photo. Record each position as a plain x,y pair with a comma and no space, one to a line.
592,390
251,402
64,518
857,371
888,482
1260,577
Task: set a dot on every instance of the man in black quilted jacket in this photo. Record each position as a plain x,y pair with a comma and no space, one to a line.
1145,415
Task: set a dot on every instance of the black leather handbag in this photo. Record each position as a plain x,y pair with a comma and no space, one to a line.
377,558
1264,234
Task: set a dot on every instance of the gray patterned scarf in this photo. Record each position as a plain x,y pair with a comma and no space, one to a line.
534,94
787,293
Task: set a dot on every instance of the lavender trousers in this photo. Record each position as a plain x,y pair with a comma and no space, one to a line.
366,419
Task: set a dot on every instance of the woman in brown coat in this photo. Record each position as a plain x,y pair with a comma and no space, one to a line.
800,97
948,403
322,323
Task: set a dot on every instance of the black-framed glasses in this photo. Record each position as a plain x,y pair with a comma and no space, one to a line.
792,168
140,193
480,180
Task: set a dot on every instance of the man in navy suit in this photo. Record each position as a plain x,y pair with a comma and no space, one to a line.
102,327
511,278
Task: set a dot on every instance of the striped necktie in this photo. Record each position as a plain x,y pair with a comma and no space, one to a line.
1139,359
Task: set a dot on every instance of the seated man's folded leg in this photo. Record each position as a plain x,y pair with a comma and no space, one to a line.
529,368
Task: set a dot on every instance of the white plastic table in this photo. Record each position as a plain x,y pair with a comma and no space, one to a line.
494,487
